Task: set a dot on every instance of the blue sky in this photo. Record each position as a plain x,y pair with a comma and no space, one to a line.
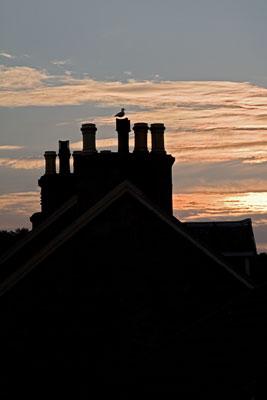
177,39
199,66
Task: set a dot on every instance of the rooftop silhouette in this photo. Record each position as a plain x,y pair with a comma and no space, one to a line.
121,288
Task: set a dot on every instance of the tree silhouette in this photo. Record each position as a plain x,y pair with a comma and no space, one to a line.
9,238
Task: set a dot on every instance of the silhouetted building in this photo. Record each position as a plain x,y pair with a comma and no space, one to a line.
234,240
111,283
96,174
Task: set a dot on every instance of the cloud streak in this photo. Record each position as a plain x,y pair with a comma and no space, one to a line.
22,163
14,79
10,147
225,206
6,55
61,62
195,206
22,202
207,121
16,208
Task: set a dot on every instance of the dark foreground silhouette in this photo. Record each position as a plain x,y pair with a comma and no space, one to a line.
110,285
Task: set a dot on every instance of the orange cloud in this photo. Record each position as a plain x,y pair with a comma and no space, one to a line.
211,205
206,121
215,146
208,114
225,206
7,147
22,202
22,163
229,98
7,55
16,208
15,79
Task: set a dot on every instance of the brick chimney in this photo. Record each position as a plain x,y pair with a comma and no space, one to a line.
157,138
95,174
88,132
123,127
64,157
50,162
140,137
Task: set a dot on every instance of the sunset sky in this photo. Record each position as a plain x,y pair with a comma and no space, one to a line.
198,66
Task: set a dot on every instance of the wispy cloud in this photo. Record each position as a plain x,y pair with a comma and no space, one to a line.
23,202
211,146
7,55
231,176
207,206
14,79
61,62
206,121
10,147
16,208
22,163
228,99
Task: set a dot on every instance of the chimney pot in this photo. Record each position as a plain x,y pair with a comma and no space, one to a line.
123,127
64,157
89,131
140,137
157,138
50,162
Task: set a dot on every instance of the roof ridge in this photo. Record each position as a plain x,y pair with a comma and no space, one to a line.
93,212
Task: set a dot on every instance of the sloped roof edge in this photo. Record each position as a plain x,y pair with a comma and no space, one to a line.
125,187
44,224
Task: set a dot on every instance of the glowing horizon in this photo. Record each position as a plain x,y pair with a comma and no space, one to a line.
18,207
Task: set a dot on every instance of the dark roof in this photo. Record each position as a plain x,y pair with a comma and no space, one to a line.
32,250
156,320
230,238
228,346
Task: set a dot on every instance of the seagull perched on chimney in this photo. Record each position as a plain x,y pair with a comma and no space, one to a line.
120,114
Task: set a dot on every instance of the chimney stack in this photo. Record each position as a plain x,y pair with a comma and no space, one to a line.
50,162
89,131
157,136
64,157
123,128
140,137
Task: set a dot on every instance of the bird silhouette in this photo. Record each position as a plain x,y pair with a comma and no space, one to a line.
121,113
